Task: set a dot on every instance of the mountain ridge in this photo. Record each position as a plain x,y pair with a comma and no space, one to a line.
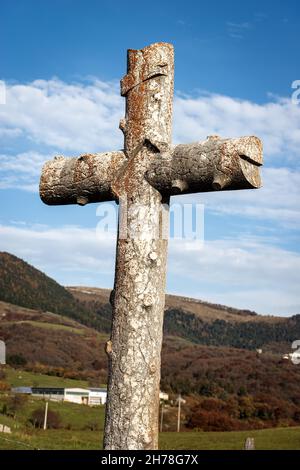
193,320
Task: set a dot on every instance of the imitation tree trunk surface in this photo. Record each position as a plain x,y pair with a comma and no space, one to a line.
140,177
215,164
139,291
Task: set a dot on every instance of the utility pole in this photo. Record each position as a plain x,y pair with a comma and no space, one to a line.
46,416
161,416
179,412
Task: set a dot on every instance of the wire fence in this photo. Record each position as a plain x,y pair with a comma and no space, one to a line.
19,442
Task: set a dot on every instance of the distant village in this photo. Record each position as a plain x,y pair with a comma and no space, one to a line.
81,396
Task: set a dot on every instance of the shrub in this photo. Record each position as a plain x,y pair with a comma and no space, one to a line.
38,415
211,421
16,403
4,386
92,426
16,360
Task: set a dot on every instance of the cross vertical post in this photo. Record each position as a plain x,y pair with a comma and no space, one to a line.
139,291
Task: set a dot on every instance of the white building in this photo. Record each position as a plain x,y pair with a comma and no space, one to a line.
93,396
163,396
83,396
77,395
97,396
293,357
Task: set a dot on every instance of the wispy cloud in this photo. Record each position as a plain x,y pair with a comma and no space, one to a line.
238,272
22,170
247,273
57,117
73,118
237,30
277,202
276,122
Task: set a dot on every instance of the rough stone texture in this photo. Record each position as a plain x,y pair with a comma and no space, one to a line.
212,165
80,180
140,178
139,290
215,164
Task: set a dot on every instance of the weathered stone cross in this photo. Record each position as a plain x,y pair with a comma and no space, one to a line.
142,177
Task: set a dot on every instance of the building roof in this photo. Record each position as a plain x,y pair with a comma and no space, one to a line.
47,390
98,389
21,390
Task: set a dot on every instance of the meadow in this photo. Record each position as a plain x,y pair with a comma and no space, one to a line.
83,429
82,426
267,439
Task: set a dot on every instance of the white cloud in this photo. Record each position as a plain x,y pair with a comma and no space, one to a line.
277,201
247,273
70,254
70,117
22,170
80,118
73,118
276,123
236,30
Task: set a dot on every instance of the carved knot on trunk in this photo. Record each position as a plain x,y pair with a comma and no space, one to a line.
148,300
82,200
178,186
153,257
108,347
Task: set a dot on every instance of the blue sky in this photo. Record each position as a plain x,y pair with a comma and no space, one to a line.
61,62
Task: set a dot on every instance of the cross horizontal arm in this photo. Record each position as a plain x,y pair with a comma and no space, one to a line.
212,165
80,180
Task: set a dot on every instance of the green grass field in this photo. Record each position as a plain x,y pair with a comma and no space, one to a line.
79,419
17,378
268,439
76,417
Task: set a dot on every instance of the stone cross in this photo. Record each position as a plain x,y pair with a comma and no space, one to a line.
141,178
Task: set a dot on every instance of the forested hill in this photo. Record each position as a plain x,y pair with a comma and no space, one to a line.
22,284
193,320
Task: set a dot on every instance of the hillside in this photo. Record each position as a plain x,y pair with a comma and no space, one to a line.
204,323
205,310
23,285
224,388
194,320
208,350
51,343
